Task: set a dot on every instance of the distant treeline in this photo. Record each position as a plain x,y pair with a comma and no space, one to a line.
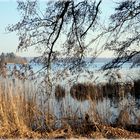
12,58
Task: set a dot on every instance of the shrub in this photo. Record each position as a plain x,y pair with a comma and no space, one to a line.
59,92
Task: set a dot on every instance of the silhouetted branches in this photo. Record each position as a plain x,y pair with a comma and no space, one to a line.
125,33
67,20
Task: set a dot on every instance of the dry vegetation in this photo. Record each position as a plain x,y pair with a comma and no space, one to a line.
86,91
22,117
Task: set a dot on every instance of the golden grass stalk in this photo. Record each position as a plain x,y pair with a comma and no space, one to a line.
17,110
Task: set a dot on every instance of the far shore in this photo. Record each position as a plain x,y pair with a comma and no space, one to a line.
16,63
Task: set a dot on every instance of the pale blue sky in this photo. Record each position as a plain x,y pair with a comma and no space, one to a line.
10,15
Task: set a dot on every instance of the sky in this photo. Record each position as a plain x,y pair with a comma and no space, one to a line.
9,15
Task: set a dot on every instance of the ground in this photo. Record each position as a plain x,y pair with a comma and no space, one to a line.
101,131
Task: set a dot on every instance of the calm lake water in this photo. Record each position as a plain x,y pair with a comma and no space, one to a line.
96,75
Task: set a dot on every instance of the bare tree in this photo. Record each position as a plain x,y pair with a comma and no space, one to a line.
67,20
124,33
59,33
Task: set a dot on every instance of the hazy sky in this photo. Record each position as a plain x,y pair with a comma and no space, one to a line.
10,15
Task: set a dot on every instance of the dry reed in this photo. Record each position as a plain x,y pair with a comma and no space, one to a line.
17,111
59,92
20,115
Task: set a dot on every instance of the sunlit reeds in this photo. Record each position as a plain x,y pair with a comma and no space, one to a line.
21,113
18,109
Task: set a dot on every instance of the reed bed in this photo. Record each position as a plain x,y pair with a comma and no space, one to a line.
17,110
24,114
59,92
118,90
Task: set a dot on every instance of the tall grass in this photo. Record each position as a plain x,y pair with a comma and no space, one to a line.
24,114
18,109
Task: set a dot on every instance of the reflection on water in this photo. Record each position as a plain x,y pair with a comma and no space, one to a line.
107,110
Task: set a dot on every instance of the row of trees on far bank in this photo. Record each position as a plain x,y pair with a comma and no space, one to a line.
12,58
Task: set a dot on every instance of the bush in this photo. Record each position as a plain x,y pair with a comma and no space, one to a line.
59,92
